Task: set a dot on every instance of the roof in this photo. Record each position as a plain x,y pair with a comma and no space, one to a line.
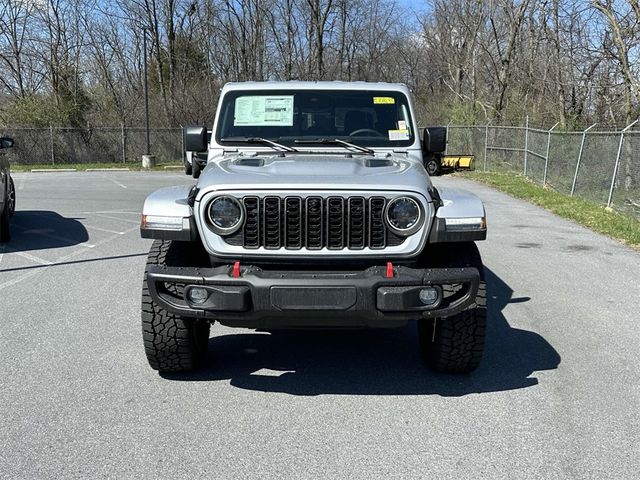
320,85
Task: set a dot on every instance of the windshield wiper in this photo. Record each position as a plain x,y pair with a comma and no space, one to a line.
260,140
336,141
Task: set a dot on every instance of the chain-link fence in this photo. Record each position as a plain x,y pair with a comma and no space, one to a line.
60,145
599,166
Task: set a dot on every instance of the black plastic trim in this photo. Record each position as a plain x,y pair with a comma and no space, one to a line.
350,296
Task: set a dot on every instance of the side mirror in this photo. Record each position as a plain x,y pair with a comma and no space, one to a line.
6,142
435,140
195,138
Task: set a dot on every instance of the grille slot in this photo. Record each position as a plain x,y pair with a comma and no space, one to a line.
293,222
335,223
271,217
356,222
314,223
377,230
252,223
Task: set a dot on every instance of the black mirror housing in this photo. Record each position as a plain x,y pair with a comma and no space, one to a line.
195,138
435,140
6,142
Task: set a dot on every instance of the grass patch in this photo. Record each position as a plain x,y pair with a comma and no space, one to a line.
613,224
84,166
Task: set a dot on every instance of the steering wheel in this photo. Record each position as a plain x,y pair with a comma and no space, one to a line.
366,130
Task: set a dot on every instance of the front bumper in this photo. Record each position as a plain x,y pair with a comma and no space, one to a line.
265,298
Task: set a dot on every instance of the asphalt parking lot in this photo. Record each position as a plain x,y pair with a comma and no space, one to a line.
557,395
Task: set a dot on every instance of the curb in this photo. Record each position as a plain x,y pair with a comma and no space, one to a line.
107,170
172,167
47,170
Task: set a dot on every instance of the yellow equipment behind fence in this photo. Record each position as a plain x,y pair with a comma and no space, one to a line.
458,162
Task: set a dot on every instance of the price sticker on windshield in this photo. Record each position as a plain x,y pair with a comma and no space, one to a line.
384,101
264,111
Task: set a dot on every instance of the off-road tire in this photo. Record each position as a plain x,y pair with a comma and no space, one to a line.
188,169
5,216
12,197
455,344
171,343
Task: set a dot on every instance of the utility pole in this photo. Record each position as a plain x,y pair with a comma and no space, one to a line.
148,160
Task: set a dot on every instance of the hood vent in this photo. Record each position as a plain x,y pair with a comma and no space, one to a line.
250,162
378,162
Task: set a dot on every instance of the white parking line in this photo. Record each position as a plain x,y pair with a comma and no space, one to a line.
137,222
114,181
99,229
38,271
33,258
130,212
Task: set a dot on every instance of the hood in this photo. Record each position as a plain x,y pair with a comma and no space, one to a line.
316,171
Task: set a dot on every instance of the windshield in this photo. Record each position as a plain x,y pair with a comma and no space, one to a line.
367,118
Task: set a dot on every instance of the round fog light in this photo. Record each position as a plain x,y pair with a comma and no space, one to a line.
428,295
198,295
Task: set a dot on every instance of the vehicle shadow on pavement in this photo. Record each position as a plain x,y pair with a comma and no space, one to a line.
375,362
42,230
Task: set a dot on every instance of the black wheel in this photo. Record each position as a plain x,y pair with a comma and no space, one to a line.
171,343
5,216
433,167
12,197
455,344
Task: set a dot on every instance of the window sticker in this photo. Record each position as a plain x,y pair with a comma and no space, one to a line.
395,135
402,125
384,101
268,110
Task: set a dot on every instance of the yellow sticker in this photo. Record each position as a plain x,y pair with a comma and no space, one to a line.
395,135
384,100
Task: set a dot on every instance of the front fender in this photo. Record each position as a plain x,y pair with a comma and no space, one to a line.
460,218
167,215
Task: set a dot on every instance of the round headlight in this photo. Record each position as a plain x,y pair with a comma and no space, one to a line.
225,215
404,215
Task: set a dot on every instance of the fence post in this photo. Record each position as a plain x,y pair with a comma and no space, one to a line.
53,156
124,143
575,176
546,158
526,144
182,145
486,145
615,168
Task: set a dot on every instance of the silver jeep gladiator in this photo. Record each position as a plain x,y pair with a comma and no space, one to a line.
314,210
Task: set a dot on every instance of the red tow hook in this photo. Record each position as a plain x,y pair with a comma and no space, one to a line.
389,270
236,270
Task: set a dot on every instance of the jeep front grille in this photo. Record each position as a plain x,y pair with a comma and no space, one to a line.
313,223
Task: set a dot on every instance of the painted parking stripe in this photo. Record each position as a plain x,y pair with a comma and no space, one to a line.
73,254
33,258
121,185
112,217
100,229
129,212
